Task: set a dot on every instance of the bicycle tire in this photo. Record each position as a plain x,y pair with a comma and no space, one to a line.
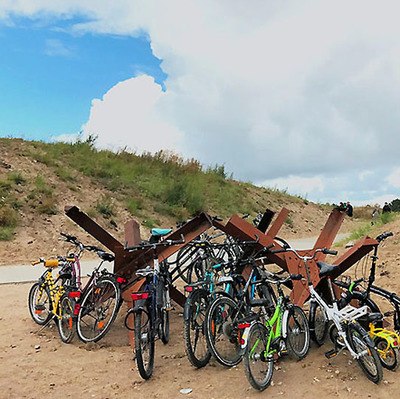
194,329
66,323
318,322
164,326
360,342
258,369
98,309
144,344
388,357
222,331
41,313
298,333
184,260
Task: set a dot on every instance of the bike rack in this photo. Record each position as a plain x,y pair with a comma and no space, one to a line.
240,228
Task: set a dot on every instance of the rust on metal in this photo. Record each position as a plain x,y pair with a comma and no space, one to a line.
278,223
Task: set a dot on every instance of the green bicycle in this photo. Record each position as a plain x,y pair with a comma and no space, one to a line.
264,338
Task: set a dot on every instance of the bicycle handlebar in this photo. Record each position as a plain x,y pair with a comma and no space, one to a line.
383,236
147,245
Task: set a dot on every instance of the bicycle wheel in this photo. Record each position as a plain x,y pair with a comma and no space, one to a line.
39,304
66,322
319,323
184,259
222,331
194,329
164,326
144,344
388,355
363,346
98,309
298,332
258,367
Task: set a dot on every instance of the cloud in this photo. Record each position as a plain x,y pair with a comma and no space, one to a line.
297,185
54,47
130,115
298,93
394,178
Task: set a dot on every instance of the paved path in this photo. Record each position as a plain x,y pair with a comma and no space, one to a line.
28,273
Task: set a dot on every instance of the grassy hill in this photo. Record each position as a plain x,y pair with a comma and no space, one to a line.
38,179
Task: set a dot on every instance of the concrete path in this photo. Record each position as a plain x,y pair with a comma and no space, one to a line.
28,273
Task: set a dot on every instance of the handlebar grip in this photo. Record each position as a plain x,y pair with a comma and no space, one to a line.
277,251
36,262
296,276
327,251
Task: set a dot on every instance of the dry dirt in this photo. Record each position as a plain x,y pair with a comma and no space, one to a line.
106,369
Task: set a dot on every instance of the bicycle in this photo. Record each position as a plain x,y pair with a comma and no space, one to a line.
225,312
265,337
349,333
387,342
54,299
152,305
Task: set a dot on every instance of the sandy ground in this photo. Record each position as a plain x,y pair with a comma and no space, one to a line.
106,370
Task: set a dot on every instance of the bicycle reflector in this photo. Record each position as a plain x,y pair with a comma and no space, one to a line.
244,325
76,309
140,295
121,280
74,294
188,289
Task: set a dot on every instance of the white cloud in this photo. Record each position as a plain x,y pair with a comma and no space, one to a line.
54,47
130,114
273,91
394,178
297,185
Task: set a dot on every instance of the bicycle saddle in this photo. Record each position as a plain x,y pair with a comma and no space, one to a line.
325,269
106,256
160,232
145,272
371,317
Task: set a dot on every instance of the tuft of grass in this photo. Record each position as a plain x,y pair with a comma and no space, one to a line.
105,206
289,222
16,177
8,222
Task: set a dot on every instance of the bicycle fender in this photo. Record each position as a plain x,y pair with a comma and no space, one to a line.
244,337
285,318
140,304
189,302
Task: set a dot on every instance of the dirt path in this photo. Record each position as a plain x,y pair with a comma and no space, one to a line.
106,370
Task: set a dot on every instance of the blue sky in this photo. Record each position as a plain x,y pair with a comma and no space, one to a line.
48,76
302,96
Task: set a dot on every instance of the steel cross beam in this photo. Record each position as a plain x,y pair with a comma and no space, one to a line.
126,263
237,227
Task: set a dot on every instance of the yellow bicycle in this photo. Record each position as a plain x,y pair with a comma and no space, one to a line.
51,298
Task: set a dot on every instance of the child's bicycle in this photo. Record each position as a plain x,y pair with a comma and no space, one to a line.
387,342
51,298
265,337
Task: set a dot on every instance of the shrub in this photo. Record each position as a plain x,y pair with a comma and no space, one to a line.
16,177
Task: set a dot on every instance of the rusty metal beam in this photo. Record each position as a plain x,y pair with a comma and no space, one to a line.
278,223
93,228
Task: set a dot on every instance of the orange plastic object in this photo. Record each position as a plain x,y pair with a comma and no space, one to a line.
51,263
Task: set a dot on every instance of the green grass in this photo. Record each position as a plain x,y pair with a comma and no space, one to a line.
370,228
165,182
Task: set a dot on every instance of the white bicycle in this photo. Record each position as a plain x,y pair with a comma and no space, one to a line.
348,334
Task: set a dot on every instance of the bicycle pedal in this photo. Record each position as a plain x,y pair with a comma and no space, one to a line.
331,354
170,308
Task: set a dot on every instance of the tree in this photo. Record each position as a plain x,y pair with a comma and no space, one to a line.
395,205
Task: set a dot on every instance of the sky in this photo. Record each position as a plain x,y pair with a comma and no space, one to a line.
300,96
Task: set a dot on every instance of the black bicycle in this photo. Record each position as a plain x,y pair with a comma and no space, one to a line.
152,305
